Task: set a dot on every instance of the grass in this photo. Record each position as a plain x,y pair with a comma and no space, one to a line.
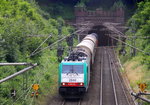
137,73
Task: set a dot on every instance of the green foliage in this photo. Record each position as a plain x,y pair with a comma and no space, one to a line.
139,25
80,4
117,4
142,16
59,10
19,21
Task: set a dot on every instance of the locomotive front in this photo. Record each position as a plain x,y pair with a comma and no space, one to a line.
72,79
74,71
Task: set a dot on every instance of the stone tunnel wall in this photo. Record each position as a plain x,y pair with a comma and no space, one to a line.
99,16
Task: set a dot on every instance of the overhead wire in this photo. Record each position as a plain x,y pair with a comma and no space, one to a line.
55,42
43,72
39,80
20,95
18,90
27,92
18,73
40,45
17,98
120,34
130,45
31,101
136,37
29,89
79,30
10,97
34,52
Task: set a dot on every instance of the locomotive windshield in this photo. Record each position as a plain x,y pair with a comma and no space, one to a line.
72,69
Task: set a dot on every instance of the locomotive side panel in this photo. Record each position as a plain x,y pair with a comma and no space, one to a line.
87,44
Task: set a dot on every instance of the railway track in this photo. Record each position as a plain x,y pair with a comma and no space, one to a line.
106,85
112,91
107,94
122,91
71,102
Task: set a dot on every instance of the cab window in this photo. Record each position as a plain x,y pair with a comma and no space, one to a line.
72,69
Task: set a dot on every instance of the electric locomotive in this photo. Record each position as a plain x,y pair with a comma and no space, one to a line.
74,70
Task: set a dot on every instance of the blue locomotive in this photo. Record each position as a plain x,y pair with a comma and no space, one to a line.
74,70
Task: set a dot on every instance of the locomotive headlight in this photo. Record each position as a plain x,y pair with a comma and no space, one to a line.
81,84
63,84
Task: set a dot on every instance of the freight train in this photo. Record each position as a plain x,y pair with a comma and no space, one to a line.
74,70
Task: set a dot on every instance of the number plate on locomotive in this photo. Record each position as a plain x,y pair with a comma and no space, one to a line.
72,80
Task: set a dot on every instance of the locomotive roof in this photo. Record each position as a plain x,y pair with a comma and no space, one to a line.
76,61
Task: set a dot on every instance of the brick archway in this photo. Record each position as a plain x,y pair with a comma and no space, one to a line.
103,38
98,18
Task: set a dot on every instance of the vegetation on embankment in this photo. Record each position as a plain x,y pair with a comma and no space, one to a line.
23,27
137,63
137,73
66,11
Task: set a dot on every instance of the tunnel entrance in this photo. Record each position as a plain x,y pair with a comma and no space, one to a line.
103,38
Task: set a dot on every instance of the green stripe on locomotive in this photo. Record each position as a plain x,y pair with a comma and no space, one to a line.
75,63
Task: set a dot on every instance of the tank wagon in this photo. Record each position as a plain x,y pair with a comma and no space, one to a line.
74,70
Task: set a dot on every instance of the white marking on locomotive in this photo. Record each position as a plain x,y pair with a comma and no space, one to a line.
72,77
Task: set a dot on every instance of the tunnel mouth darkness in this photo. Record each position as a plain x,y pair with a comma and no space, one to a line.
103,37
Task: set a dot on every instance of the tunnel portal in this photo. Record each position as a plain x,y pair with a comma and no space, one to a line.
103,37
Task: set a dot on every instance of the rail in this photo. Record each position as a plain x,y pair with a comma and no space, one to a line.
112,90
112,76
65,102
101,81
115,70
125,80
107,78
